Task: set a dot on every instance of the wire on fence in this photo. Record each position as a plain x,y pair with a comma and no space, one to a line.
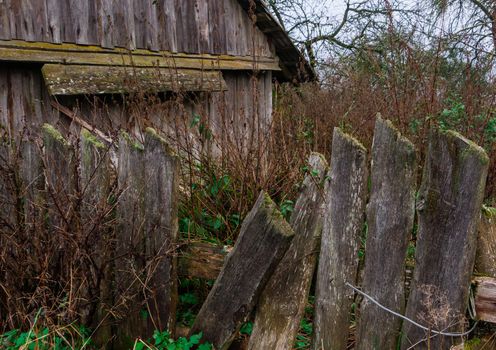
447,334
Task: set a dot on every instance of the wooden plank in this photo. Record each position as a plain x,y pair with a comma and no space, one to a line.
34,20
4,21
76,80
282,303
262,242
161,225
53,11
105,23
485,262
485,298
124,34
59,165
449,204
21,51
8,200
96,178
202,260
390,214
166,26
79,12
202,20
343,226
151,35
130,244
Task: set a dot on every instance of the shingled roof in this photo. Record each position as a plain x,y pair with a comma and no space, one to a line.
294,65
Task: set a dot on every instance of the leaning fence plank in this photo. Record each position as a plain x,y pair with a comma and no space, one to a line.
264,238
390,214
96,178
449,205
130,265
343,224
160,200
282,303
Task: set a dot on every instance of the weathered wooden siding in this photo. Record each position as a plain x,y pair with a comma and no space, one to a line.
190,26
240,116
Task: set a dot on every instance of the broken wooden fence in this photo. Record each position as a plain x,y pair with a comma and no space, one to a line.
109,228
268,271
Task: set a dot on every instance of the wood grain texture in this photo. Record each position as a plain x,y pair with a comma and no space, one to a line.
67,54
485,263
161,225
202,260
96,179
130,243
390,214
78,80
344,216
449,205
282,303
485,298
264,238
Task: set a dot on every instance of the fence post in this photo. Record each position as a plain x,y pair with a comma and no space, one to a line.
96,178
390,214
282,303
449,207
130,244
343,225
264,238
161,225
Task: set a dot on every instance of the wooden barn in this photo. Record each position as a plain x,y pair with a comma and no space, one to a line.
73,62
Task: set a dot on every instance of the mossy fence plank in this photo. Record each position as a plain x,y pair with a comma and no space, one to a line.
449,205
282,303
147,216
96,182
390,214
264,238
343,225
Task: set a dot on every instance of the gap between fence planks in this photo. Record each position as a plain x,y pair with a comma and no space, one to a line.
282,303
449,204
343,225
390,214
264,238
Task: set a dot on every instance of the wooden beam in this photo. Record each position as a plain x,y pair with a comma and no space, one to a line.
485,298
76,79
41,52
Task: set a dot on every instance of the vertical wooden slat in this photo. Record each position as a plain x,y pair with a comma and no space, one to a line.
79,20
105,23
201,12
230,27
123,24
282,303
34,20
265,235
33,181
140,24
130,236
448,206
166,29
390,214
160,200
180,15
96,177
15,19
4,20
53,11
151,37
343,224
